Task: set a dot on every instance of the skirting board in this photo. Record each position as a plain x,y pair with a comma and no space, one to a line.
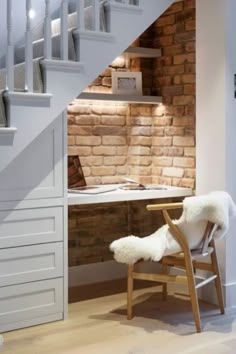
100,272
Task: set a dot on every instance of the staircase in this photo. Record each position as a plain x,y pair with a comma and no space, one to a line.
33,143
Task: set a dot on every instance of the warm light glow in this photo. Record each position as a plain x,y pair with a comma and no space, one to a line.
32,13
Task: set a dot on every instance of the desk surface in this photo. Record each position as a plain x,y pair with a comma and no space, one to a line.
120,195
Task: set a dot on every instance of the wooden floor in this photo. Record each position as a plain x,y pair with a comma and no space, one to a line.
99,326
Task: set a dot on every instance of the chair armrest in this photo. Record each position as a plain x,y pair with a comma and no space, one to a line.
164,206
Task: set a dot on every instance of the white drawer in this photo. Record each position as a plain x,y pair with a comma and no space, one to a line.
30,226
31,263
30,301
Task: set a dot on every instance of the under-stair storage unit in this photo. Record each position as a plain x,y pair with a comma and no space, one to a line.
33,142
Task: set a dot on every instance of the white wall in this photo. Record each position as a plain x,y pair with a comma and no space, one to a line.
216,117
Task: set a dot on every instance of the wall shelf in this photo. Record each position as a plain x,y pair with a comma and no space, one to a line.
120,98
142,52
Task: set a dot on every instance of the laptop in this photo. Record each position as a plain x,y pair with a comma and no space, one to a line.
77,182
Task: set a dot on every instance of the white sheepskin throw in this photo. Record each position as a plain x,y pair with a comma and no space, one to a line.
216,207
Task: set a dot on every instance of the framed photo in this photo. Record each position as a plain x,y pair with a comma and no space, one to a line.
127,82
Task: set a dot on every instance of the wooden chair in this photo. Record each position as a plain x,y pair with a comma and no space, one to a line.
187,259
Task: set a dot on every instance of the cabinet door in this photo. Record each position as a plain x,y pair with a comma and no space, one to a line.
31,226
31,263
30,301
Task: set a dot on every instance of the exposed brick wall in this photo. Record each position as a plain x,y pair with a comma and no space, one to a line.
154,144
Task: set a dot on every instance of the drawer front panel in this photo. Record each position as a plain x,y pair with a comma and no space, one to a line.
30,226
31,300
31,263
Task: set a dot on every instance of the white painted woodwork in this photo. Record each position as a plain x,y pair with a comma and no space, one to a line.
47,31
30,300
80,14
96,16
37,170
30,226
10,49
64,30
31,263
28,50
119,195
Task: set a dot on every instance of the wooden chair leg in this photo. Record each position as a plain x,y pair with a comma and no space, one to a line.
215,268
193,292
164,285
130,282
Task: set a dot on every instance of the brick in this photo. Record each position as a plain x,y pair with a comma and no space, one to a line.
106,81
122,170
86,171
113,140
140,160
189,173
183,100
88,140
184,182
173,49
109,130
162,61
178,111
71,140
122,150
79,130
171,29
91,161
104,150
141,121
103,170
114,160
190,25
76,150
156,171
165,20
113,120
101,109
170,70
190,151
183,141
112,180
87,120
162,121
141,131
173,172
143,141
97,81
78,108
190,4
159,131
70,119
185,15
158,111
93,180
162,181
184,162
171,131
184,79
140,171
162,161
184,58
190,89
139,150
190,68
183,121
185,37
175,7
107,72
166,141
190,110
162,81
173,90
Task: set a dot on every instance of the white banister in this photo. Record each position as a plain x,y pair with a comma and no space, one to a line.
80,14
95,16
28,50
47,31
10,50
64,30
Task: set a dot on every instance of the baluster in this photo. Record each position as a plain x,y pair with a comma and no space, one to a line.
64,30
80,14
126,2
95,16
10,50
47,31
28,50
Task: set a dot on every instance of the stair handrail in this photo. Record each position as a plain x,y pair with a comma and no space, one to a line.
10,50
28,49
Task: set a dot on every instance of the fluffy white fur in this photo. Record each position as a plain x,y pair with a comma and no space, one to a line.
217,207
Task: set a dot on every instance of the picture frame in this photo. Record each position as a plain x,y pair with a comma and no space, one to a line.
127,82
